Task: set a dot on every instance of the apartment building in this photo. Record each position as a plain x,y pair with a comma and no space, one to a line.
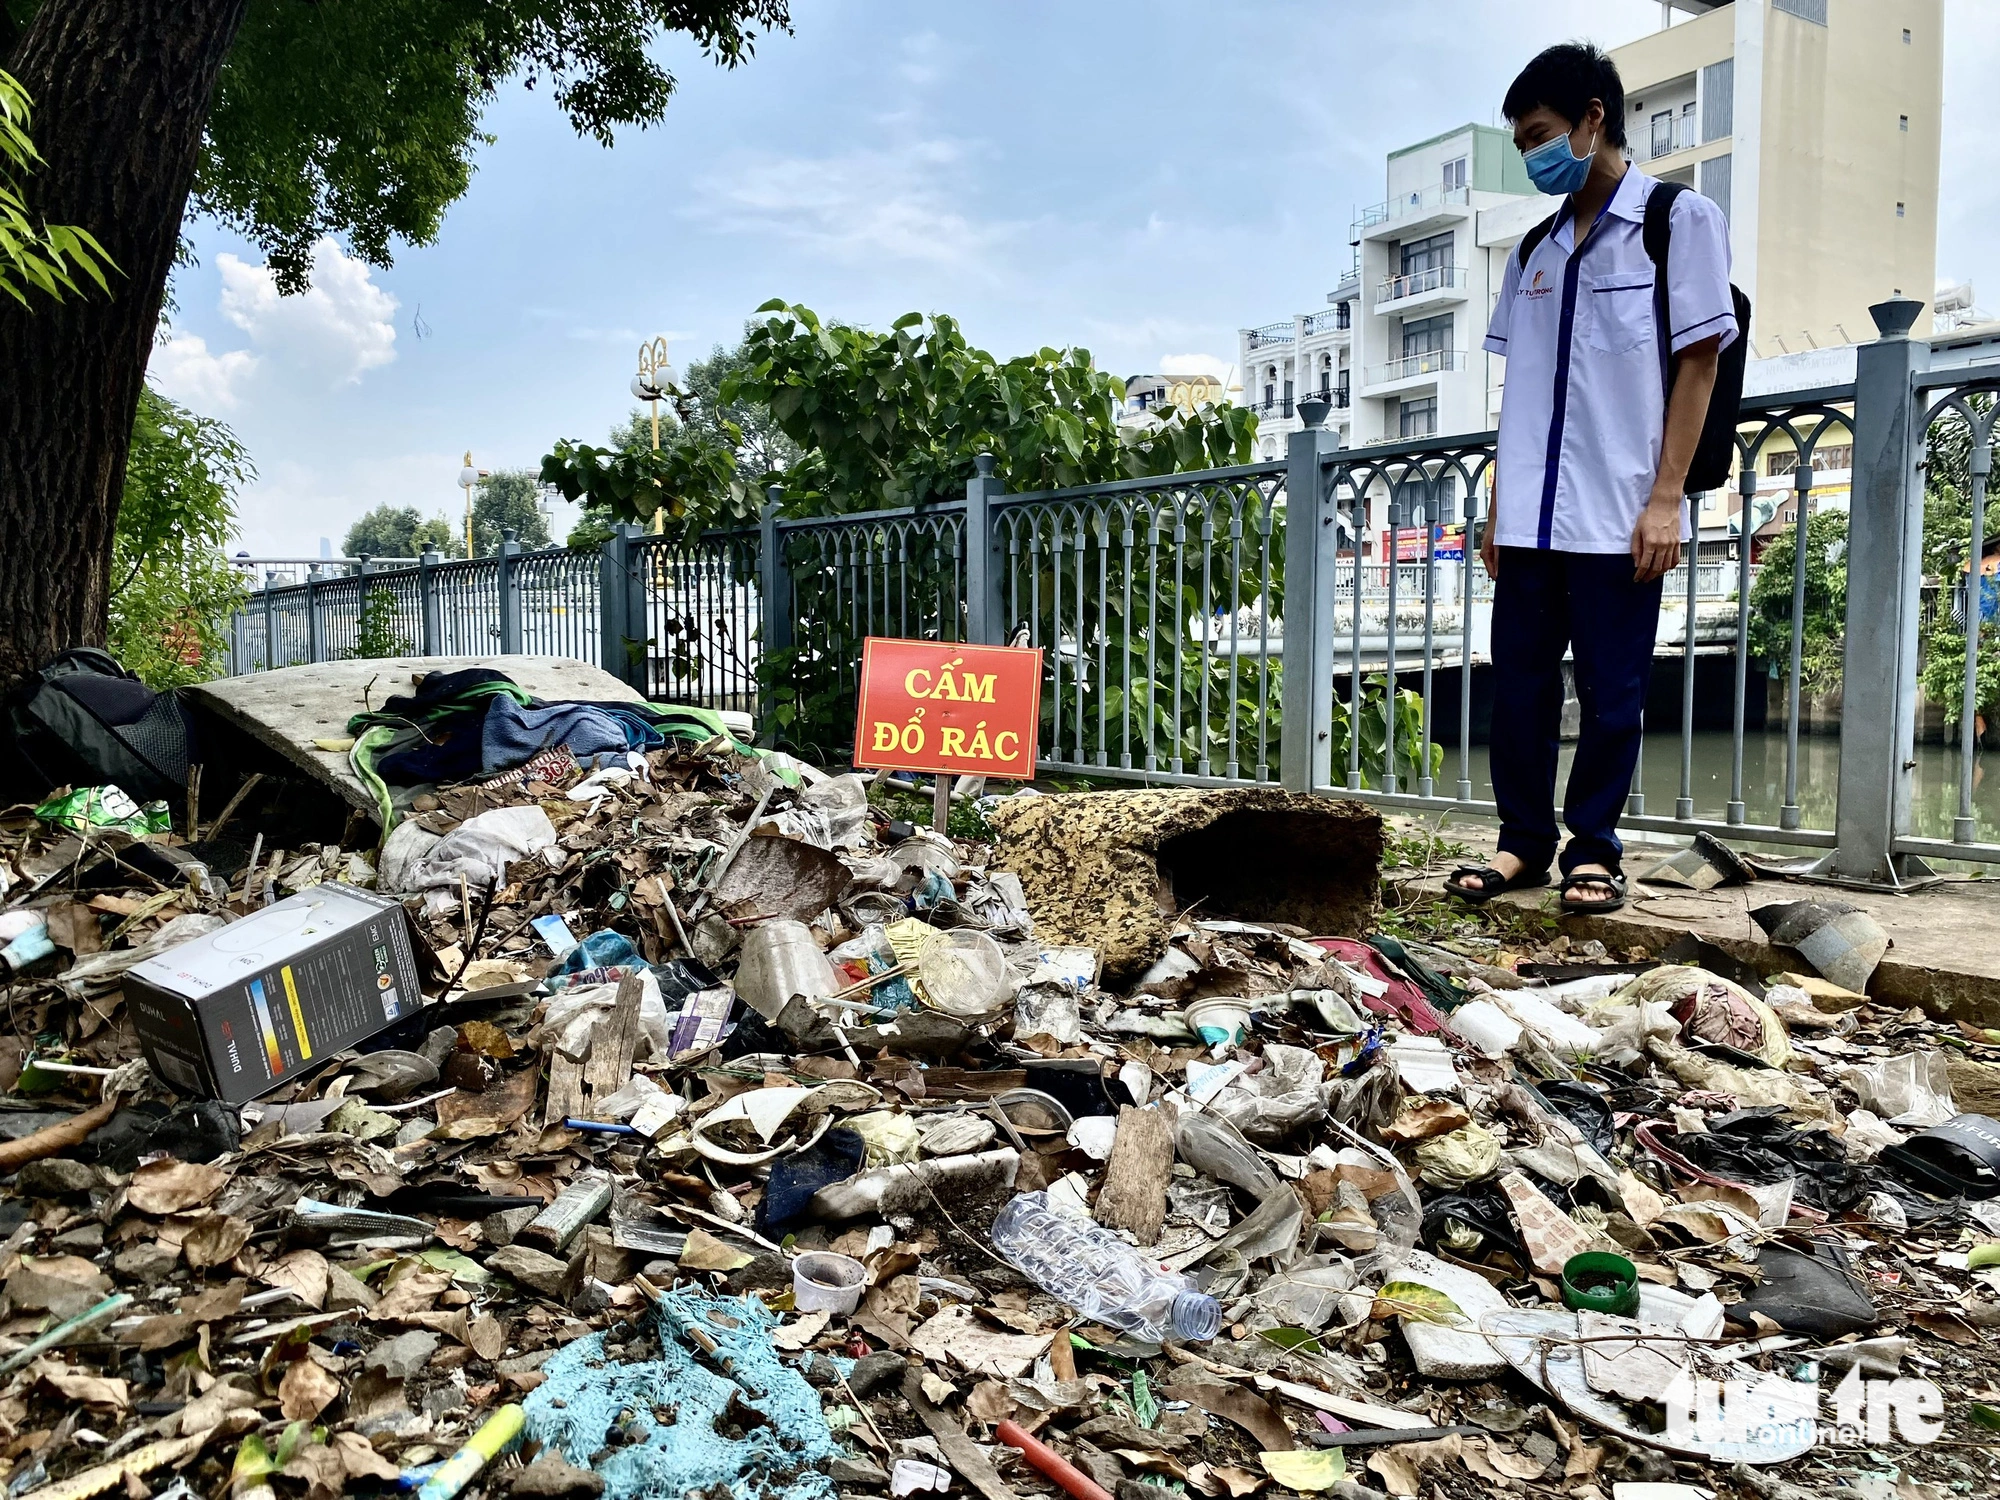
1813,123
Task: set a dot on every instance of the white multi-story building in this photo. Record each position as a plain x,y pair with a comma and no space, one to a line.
1397,349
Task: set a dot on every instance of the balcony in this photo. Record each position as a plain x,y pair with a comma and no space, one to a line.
1271,333
1410,205
1420,368
1678,133
1417,289
1333,320
1276,406
1339,397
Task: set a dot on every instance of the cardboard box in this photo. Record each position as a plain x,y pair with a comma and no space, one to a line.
237,1013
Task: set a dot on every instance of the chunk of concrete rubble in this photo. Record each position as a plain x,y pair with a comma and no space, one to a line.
531,1268
1111,870
1447,1352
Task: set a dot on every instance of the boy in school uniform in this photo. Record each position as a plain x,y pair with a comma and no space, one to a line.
1603,407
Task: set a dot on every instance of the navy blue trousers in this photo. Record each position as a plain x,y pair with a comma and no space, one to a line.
1546,603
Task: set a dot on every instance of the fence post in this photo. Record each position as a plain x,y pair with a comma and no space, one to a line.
506,584
427,602
1312,546
985,621
270,623
776,611
621,598
1884,590
315,627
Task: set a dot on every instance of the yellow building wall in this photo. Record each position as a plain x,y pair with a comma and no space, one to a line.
1686,48
1835,164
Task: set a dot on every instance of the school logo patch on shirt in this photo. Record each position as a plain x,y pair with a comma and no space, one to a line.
1537,287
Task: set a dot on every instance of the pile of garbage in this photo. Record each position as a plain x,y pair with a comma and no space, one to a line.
680,1120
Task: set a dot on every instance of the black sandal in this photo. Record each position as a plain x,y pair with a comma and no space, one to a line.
1600,904
1492,882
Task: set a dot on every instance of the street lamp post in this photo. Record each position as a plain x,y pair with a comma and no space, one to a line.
653,384
468,479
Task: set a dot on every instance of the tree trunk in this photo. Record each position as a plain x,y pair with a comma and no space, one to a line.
121,90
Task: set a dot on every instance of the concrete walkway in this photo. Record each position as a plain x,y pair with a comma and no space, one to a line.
1945,940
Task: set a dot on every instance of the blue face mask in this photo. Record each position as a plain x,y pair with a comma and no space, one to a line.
1554,168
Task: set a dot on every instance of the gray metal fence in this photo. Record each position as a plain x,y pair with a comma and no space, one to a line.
1170,652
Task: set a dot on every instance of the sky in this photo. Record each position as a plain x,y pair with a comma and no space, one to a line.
1140,182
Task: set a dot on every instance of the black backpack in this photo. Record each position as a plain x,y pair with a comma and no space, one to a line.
84,720
1715,455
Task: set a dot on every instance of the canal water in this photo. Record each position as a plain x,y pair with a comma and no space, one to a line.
1934,801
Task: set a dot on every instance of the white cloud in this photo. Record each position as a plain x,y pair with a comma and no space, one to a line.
182,367
340,327
333,332
860,207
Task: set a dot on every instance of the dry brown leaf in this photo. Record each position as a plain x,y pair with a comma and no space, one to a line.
1239,1482
78,1385
171,1187
306,1390
801,1331
704,1252
413,1292
990,1403
304,1271
486,1337
215,1240
323,1470
359,1458
1399,1473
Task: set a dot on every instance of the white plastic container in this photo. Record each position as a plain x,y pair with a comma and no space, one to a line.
780,960
825,1282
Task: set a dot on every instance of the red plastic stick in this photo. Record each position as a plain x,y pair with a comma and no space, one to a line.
1051,1463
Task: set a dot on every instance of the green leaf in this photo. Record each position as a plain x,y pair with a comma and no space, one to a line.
1982,1256
1289,1339
1414,1300
1986,1416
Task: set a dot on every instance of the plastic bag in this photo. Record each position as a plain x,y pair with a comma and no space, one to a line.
1269,1105
106,808
474,855
965,975
1912,1088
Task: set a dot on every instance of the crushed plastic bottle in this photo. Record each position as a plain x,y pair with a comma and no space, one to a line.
1099,1275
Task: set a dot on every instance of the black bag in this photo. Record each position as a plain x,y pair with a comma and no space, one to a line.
1715,454
83,720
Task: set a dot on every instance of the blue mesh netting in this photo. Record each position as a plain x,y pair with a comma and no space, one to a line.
584,1396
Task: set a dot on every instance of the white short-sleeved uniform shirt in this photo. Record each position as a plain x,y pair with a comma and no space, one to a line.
1585,402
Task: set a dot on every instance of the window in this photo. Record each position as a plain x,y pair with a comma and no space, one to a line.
1899,211
1663,132
1902,122
1325,374
1906,36
1806,10
1834,456
1427,255
1418,418
1454,173
1689,126
1343,315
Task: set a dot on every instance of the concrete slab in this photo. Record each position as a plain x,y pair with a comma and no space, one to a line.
290,708
1943,956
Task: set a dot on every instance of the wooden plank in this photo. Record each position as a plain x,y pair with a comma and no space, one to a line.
613,1043
565,1089
1134,1195
959,1450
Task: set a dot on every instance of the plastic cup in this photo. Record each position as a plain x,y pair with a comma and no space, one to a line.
825,1282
